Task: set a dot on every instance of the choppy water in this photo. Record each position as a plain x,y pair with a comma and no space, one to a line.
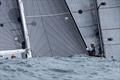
60,68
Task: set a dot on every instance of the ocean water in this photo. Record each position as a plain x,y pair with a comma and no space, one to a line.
60,68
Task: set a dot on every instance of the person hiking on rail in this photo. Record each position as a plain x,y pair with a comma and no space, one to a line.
91,50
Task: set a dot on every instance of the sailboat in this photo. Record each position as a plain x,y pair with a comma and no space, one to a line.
37,28
45,29
84,13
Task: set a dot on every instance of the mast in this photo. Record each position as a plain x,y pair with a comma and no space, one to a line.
26,34
99,28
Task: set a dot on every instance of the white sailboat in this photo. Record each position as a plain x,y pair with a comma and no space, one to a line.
38,28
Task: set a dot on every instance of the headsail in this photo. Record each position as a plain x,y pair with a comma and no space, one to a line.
51,28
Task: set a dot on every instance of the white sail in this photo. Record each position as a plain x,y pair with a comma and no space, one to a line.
84,13
11,31
51,29
110,25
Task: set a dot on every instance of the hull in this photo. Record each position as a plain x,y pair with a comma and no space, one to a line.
51,29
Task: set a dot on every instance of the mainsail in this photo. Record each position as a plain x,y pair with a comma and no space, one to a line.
51,29
84,13
110,25
11,32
